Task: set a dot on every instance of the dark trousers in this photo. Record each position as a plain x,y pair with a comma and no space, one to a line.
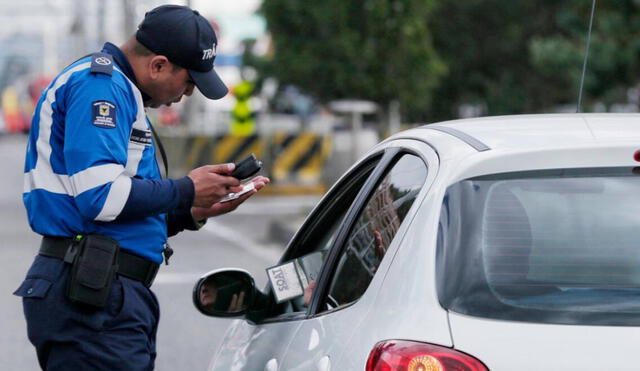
70,336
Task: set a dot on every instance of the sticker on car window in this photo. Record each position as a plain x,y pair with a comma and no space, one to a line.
285,281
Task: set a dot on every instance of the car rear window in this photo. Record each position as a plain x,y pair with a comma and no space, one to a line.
558,246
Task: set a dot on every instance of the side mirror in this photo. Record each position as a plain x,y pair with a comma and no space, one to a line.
225,293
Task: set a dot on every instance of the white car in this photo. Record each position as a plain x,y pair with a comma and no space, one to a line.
501,243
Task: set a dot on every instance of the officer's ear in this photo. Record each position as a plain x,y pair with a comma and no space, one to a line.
158,65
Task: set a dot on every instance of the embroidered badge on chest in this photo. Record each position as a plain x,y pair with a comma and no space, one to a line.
104,114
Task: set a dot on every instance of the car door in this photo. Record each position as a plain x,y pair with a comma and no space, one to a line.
361,254
259,342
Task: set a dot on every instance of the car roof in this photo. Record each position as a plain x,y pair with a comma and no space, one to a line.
522,132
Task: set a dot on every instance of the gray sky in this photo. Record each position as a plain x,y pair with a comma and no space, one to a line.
225,7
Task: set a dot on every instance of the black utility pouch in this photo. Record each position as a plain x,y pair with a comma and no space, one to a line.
93,265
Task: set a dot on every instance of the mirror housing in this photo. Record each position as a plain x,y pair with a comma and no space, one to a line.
228,292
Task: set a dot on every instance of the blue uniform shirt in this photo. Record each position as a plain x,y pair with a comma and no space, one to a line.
91,166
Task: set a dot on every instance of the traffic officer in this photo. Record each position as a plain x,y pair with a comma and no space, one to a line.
93,190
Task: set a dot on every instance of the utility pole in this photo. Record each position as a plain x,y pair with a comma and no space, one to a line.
78,30
394,117
356,109
101,30
129,17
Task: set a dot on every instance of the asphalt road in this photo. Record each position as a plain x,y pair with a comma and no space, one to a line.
186,339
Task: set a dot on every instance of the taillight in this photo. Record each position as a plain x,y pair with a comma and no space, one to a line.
401,355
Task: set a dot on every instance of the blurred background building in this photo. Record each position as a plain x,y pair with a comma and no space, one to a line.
40,37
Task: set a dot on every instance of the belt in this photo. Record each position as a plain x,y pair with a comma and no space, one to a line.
129,265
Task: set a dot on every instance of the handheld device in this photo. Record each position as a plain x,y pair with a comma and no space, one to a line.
247,167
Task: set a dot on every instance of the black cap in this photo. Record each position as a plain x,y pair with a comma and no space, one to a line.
187,39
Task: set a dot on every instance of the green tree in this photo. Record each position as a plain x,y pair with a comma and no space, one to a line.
526,56
613,64
378,50
485,44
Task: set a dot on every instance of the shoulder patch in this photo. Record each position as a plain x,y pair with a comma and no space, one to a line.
102,63
104,114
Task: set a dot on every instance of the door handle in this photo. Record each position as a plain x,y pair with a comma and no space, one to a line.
272,365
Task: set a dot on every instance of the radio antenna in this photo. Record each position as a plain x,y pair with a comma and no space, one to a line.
586,57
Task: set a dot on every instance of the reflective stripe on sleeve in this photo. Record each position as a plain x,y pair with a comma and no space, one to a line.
47,180
116,199
95,176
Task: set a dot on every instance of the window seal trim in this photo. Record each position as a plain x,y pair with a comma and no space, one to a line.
326,274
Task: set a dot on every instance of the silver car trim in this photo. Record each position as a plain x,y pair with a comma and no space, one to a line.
473,142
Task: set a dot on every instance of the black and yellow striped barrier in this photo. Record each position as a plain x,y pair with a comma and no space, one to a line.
294,162
299,158
233,148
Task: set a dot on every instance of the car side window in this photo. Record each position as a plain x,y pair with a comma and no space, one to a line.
320,231
374,229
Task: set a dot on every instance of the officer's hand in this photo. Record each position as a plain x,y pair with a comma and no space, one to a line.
201,213
212,183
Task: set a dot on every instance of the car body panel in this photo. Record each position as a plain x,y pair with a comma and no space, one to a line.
506,346
250,347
